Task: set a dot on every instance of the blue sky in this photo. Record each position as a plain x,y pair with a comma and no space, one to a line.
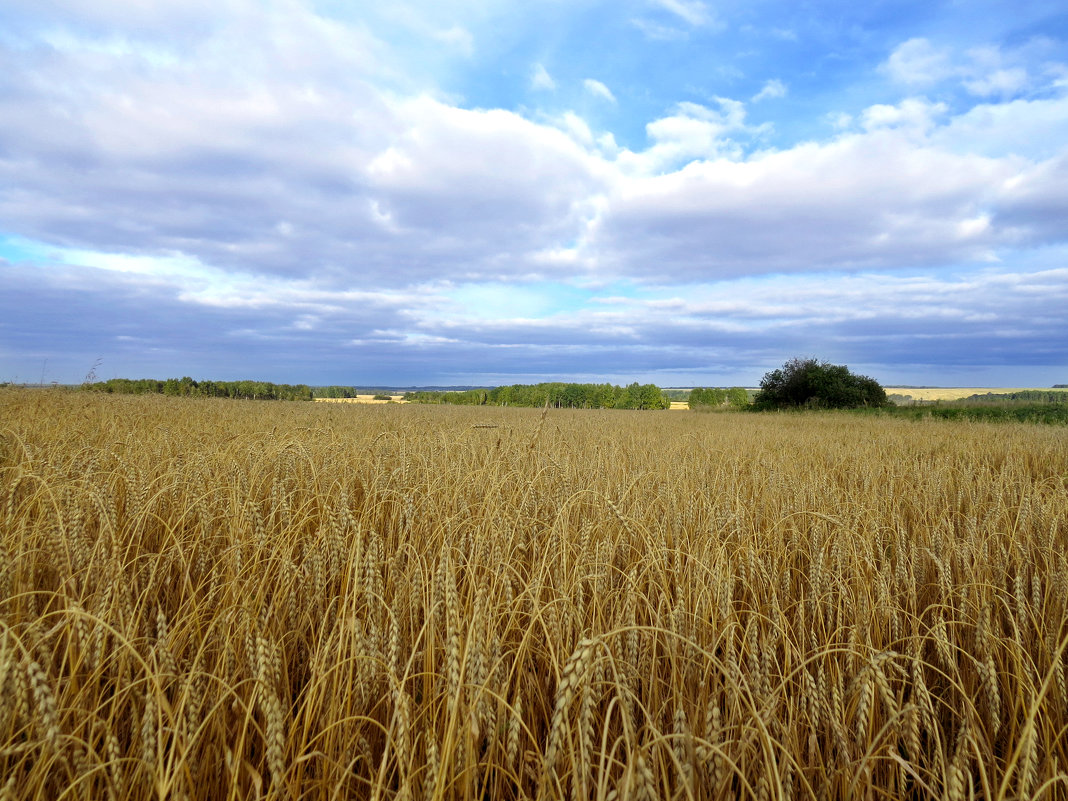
680,191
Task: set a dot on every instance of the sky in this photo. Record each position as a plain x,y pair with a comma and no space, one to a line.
683,192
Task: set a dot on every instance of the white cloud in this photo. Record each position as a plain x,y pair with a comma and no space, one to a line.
295,164
675,20
918,63
301,165
1036,129
577,128
991,71
840,120
692,132
270,171
1058,75
988,71
692,12
878,199
771,89
541,80
659,32
914,114
1001,82
451,184
598,89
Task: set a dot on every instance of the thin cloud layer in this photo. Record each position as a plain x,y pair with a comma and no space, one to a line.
296,182
931,328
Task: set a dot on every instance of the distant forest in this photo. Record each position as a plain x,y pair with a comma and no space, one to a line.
1023,396
554,394
187,387
587,396
735,398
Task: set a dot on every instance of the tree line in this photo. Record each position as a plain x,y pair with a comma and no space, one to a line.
558,395
712,397
1023,396
187,387
335,392
801,383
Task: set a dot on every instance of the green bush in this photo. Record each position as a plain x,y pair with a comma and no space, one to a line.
812,384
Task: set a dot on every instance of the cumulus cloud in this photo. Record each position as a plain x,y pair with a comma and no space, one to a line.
863,201
916,62
274,174
914,113
987,71
999,82
450,184
277,172
693,132
271,171
991,72
1036,128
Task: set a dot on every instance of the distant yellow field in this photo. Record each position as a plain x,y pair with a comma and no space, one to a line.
953,393
363,399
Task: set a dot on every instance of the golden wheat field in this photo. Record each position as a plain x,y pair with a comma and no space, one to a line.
207,599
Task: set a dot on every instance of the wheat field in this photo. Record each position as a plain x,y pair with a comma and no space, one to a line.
207,599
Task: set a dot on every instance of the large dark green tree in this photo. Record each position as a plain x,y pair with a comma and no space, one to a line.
809,383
